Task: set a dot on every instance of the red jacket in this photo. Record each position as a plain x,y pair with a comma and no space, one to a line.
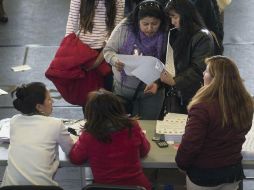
66,72
116,163
205,144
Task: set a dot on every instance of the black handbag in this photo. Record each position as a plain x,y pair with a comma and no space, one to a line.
128,103
173,102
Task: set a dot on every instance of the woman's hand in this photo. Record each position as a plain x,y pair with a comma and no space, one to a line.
167,78
152,88
119,66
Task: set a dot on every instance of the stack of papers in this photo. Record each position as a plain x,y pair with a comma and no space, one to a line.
172,127
5,130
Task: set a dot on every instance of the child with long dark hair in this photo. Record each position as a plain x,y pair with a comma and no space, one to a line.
111,142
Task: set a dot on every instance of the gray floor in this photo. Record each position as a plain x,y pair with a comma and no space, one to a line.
36,27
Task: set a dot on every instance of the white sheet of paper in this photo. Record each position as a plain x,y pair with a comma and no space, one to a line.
131,62
146,68
5,130
21,68
2,92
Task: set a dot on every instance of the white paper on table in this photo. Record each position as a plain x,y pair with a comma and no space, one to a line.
172,126
5,130
146,68
21,68
2,92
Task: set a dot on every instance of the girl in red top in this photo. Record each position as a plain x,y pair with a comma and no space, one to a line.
111,143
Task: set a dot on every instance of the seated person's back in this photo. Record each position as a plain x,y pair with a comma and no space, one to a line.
111,142
34,138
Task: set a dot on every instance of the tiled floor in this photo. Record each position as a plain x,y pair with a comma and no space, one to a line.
36,27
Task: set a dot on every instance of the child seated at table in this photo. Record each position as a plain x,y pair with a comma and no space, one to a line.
111,142
34,138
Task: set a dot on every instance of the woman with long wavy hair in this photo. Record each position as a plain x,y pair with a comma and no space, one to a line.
219,117
112,142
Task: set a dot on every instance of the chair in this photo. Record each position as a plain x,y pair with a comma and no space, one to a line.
30,187
111,187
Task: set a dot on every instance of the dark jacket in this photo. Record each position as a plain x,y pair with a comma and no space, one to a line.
210,154
190,65
209,11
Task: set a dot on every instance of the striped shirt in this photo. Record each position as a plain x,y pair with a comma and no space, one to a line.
99,34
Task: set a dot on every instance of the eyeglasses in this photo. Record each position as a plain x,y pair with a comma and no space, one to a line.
148,4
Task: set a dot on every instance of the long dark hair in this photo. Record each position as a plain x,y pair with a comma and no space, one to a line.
190,23
28,96
147,8
105,114
87,12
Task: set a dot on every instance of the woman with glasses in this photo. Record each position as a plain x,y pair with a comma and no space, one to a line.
220,115
191,43
141,33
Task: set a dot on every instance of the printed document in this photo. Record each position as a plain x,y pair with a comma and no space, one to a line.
172,126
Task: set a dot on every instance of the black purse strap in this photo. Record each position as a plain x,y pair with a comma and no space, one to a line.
136,91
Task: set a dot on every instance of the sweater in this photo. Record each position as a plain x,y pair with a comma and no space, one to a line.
117,162
33,151
205,144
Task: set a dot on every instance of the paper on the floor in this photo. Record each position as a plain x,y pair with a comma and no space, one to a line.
21,68
2,92
5,130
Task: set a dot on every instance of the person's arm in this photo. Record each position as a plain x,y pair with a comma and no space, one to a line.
64,139
120,6
79,152
97,62
151,88
119,16
201,48
193,138
73,18
145,145
115,42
